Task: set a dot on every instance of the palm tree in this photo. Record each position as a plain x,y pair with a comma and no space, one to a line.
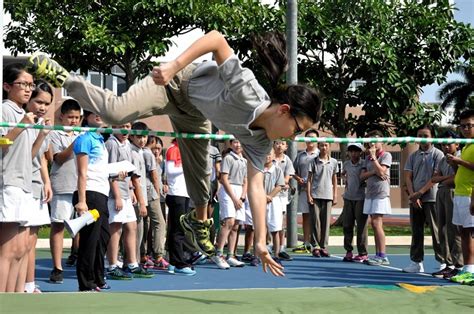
459,93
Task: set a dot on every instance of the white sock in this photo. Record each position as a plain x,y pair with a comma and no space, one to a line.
30,287
469,268
133,265
112,267
282,248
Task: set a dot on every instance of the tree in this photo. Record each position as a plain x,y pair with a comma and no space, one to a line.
98,35
459,94
394,47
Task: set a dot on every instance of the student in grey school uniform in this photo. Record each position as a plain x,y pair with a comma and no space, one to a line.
322,195
63,178
138,142
419,170
376,173
232,195
39,104
154,226
301,165
274,181
15,177
449,234
286,165
122,216
353,210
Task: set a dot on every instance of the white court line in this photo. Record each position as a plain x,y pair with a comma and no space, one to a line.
391,267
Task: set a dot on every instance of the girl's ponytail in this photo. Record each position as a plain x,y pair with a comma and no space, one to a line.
271,52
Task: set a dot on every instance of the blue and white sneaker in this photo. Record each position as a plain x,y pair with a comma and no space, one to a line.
187,271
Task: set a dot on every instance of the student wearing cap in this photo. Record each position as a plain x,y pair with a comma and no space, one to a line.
353,210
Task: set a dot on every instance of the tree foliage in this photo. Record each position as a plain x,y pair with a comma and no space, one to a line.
459,94
395,47
97,35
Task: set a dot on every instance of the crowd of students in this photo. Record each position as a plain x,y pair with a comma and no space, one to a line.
128,237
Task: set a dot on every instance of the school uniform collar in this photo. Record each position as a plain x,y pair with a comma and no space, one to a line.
114,138
315,152
356,164
427,152
14,106
270,169
323,161
64,133
236,157
136,148
281,161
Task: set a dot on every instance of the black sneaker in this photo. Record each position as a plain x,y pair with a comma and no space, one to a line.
138,272
71,260
44,67
452,273
197,232
247,258
443,272
285,256
276,259
117,274
56,276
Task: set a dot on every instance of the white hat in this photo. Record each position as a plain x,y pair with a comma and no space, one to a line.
358,145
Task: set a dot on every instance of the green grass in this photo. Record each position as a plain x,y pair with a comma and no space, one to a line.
335,231
44,231
389,231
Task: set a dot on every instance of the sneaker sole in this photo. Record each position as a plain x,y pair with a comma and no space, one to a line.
56,282
43,67
189,234
143,276
118,278
184,274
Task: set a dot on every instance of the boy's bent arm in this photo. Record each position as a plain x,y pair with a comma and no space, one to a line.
65,155
258,205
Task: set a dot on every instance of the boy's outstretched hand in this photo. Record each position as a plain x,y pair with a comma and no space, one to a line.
267,261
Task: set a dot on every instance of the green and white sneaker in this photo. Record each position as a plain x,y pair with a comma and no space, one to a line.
43,67
138,272
463,277
197,232
117,274
378,261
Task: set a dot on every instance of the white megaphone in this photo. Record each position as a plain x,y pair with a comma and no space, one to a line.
73,226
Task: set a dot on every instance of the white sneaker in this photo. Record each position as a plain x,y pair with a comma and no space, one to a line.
220,261
232,261
414,267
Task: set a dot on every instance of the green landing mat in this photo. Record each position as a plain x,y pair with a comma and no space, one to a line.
453,299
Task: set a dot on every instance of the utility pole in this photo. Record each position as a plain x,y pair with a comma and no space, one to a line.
292,78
